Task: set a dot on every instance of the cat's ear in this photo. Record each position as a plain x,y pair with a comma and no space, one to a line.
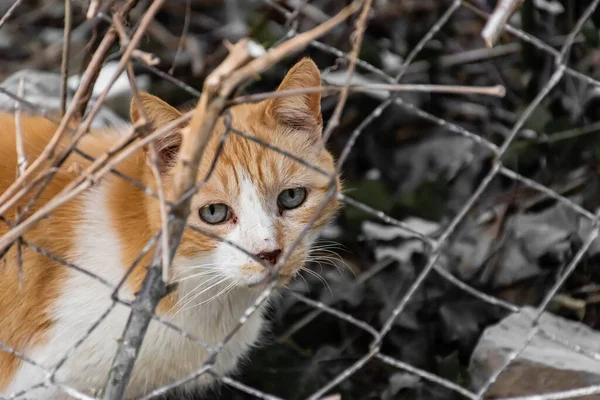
300,111
159,113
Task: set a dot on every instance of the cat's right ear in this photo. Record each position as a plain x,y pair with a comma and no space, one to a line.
302,112
158,114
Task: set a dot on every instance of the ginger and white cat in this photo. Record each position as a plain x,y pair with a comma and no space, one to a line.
255,197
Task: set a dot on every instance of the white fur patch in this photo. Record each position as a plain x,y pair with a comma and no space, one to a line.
166,356
254,232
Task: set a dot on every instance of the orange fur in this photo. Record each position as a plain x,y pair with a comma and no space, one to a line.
24,306
292,124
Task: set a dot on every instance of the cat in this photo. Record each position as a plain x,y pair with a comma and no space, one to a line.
255,197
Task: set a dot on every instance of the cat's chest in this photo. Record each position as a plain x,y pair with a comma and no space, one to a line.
174,346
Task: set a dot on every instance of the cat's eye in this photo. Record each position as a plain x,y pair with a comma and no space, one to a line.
215,213
291,198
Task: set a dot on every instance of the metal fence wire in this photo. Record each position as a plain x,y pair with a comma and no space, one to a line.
245,60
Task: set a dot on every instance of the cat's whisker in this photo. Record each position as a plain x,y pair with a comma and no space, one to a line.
202,292
201,266
198,275
223,291
314,273
326,247
205,271
208,281
304,280
330,244
325,251
193,292
330,257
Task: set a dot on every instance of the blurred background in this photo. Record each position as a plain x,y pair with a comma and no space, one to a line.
413,161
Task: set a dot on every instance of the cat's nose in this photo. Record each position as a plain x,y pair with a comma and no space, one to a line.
270,256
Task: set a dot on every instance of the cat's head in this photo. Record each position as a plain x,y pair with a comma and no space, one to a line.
255,197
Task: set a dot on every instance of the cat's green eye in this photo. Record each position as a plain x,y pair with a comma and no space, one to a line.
291,198
215,213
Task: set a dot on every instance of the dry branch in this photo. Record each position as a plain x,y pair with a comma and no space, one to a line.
494,26
358,35
157,178
21,156
10,11
88,178
93,8
21,167
285,49
49,154
64,67
80,97
496,91
218,86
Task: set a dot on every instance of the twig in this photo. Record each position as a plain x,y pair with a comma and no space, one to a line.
244,388
40,110
495,24
496,90
146,57
180,84
10,11
21,167
182,38
79,99
403,68
21,157
141,314
286,48
92,174
159,184
576,30
119,27
357,39
64,68
49,155
93,9
333,397
101,53
217,87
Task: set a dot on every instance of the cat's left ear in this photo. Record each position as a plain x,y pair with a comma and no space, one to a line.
302,111
159,113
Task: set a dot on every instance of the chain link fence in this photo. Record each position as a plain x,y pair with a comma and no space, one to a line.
243,63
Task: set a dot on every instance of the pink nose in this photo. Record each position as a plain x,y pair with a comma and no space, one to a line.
270,256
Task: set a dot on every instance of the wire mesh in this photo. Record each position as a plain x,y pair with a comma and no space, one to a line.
126,356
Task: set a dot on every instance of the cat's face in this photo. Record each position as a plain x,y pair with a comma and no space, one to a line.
255,197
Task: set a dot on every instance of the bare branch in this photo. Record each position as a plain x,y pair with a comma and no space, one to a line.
217,87
10,11
494,26
496,91
21,167
286,48
64,68
166,259
21,156
93,8
357,38
92,174
183,37
84,90
49,155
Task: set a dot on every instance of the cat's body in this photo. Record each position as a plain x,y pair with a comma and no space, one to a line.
252,195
